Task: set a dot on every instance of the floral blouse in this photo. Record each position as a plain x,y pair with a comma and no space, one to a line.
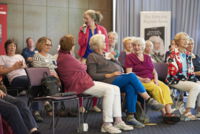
175,67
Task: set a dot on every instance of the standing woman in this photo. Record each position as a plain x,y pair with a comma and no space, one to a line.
90,27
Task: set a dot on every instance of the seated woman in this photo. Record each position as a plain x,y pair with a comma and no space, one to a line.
181,74
172,46
112,41
148,50
196,63
127,49
44,59
110,71
17,76
16,112
75,78
141,64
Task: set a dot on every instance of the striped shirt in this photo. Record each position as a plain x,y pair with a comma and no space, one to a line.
44,61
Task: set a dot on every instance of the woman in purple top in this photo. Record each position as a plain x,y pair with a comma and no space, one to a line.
75,78
141,64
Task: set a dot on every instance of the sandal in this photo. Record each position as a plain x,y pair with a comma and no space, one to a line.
188,117
170,118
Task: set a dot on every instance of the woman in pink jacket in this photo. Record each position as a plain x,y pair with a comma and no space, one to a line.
90,27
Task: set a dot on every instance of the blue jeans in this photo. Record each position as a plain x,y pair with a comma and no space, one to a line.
129,84
17,114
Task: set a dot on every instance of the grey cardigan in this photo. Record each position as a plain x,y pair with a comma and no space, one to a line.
98,66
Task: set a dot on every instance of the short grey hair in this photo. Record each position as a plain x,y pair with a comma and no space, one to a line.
96,41
113,33
140,41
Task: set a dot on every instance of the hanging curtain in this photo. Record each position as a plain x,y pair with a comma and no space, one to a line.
185,17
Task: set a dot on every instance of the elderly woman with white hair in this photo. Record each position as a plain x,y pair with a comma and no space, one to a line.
158,48
141,64
181,74
110,71
112,41
75,78
148,50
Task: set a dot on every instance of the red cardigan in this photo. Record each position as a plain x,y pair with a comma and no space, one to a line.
83,38
73,73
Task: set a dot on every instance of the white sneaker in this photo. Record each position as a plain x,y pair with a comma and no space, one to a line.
96,109
110,129
121,125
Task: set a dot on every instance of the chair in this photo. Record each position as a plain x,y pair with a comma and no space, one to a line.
88,105
35,75
162,70
14,91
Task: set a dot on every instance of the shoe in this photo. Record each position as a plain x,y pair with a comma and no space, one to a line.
155,105
143,118
37,117
36,132
188,117
132,121
121,125
96,109
198,115
82,110
171,118
110,129
48,109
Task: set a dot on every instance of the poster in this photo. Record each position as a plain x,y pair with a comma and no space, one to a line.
3,27
156,26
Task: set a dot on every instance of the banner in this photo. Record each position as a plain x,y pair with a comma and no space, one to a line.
3,27
156,26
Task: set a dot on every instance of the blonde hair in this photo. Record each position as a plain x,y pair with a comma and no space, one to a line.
95,15
177,37
66,43
41,43
96,41
140,41
126,40
148,41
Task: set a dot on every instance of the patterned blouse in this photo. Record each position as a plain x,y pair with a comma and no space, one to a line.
175,68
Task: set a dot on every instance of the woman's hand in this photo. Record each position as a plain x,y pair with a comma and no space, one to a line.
156,81
146,80
2,94
113,74
17,65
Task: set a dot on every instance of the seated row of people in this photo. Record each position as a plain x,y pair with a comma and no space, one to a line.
109,71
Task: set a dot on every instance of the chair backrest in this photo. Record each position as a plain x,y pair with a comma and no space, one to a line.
162,69
36,74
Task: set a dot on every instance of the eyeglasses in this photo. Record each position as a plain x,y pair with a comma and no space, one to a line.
49,45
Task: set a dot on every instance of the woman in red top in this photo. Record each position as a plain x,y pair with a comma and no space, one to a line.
90,27
75,78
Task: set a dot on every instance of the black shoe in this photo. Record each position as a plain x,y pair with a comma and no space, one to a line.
171,119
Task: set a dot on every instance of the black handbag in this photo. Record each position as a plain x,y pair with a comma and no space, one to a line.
50,85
